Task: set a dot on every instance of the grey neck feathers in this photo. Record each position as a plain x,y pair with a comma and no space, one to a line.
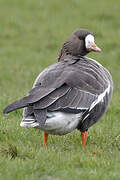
72,47
64,54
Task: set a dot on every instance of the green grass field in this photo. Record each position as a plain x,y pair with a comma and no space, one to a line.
31,35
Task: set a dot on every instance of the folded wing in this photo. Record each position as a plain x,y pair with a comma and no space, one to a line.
67,84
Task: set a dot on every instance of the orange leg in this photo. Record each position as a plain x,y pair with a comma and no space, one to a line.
83,137
45,139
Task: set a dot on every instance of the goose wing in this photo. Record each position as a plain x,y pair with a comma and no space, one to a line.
68,84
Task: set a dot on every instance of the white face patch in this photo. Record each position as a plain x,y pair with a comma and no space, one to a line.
89,40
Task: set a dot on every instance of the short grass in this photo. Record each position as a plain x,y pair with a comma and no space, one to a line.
31,34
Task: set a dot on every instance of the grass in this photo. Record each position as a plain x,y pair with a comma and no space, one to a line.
31,34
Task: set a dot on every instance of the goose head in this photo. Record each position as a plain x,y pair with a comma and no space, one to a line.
80,43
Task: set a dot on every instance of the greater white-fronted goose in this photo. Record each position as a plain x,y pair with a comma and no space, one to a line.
73,93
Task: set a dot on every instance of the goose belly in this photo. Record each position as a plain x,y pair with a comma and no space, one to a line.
60,123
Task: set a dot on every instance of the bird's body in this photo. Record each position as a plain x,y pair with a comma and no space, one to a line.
73,93
71,90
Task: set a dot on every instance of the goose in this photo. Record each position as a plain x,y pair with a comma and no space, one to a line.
73,93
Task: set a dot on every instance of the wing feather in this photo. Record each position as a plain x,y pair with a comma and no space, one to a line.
73,99
52,97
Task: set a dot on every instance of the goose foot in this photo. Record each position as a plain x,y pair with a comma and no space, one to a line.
84,138
45,139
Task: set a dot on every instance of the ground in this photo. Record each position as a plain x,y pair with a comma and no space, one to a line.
31,35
